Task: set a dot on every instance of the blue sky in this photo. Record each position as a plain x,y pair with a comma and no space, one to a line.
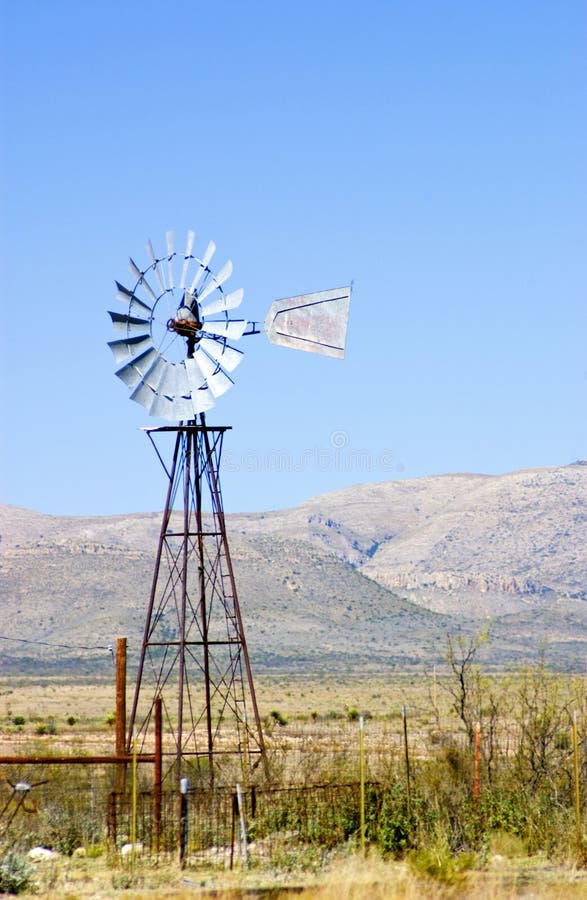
432,152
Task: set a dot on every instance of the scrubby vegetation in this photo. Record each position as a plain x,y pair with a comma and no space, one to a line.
16,874
473,767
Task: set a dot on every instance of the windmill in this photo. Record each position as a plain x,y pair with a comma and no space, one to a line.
175,353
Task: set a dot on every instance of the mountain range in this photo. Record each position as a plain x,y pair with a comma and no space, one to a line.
370,577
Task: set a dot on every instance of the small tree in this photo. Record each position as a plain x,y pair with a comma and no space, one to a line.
465,685
544,715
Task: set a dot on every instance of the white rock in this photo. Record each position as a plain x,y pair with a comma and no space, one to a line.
127,849
40,854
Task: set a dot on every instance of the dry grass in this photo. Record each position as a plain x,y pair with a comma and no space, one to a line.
316,705
295,695
345,879
321,701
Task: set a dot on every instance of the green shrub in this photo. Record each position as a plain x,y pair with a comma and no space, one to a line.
122,881
278,717
439,863
48,727
395,826
15,874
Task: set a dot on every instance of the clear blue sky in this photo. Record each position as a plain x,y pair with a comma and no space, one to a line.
434,152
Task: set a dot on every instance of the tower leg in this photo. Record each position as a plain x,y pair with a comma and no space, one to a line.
194,654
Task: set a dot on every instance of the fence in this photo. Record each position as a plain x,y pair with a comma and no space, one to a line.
523,776
223,827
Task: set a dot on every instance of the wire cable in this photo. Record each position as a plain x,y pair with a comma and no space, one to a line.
61,646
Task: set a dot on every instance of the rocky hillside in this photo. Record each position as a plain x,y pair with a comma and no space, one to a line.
483,544
375,575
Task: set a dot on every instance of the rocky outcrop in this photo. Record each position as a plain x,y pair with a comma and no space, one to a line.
453,581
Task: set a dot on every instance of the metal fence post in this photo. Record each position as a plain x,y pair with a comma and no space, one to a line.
407,759
183,819
243,849
112,823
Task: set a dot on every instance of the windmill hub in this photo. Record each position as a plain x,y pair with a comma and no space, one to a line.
185,323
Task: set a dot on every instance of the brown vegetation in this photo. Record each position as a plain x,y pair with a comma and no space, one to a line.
431,834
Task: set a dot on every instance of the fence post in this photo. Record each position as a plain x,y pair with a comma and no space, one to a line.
133,818
576,775
476,763
183,819
112,823
243,849
233,830
120,712
362,780
407,758
157,775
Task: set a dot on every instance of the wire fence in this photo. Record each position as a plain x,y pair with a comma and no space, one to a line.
221,826
225,826
522,776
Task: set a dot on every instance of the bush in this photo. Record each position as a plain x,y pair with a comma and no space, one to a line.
48,727
440,863
395,826
15,874
278,717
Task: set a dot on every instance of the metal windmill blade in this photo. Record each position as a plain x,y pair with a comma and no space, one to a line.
174,349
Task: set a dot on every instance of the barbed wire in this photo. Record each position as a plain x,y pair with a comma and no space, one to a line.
108,647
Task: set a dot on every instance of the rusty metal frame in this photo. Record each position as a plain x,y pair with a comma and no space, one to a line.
194,655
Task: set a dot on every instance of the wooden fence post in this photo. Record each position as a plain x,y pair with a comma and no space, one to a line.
121,712
157,775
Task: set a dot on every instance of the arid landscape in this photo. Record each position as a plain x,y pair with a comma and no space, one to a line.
516,841
293,518
434,610
373,577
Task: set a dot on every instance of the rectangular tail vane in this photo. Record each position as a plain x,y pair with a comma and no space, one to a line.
313,322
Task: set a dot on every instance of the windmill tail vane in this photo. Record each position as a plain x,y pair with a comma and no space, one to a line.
313,322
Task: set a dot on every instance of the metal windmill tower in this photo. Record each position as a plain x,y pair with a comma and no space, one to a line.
176,356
